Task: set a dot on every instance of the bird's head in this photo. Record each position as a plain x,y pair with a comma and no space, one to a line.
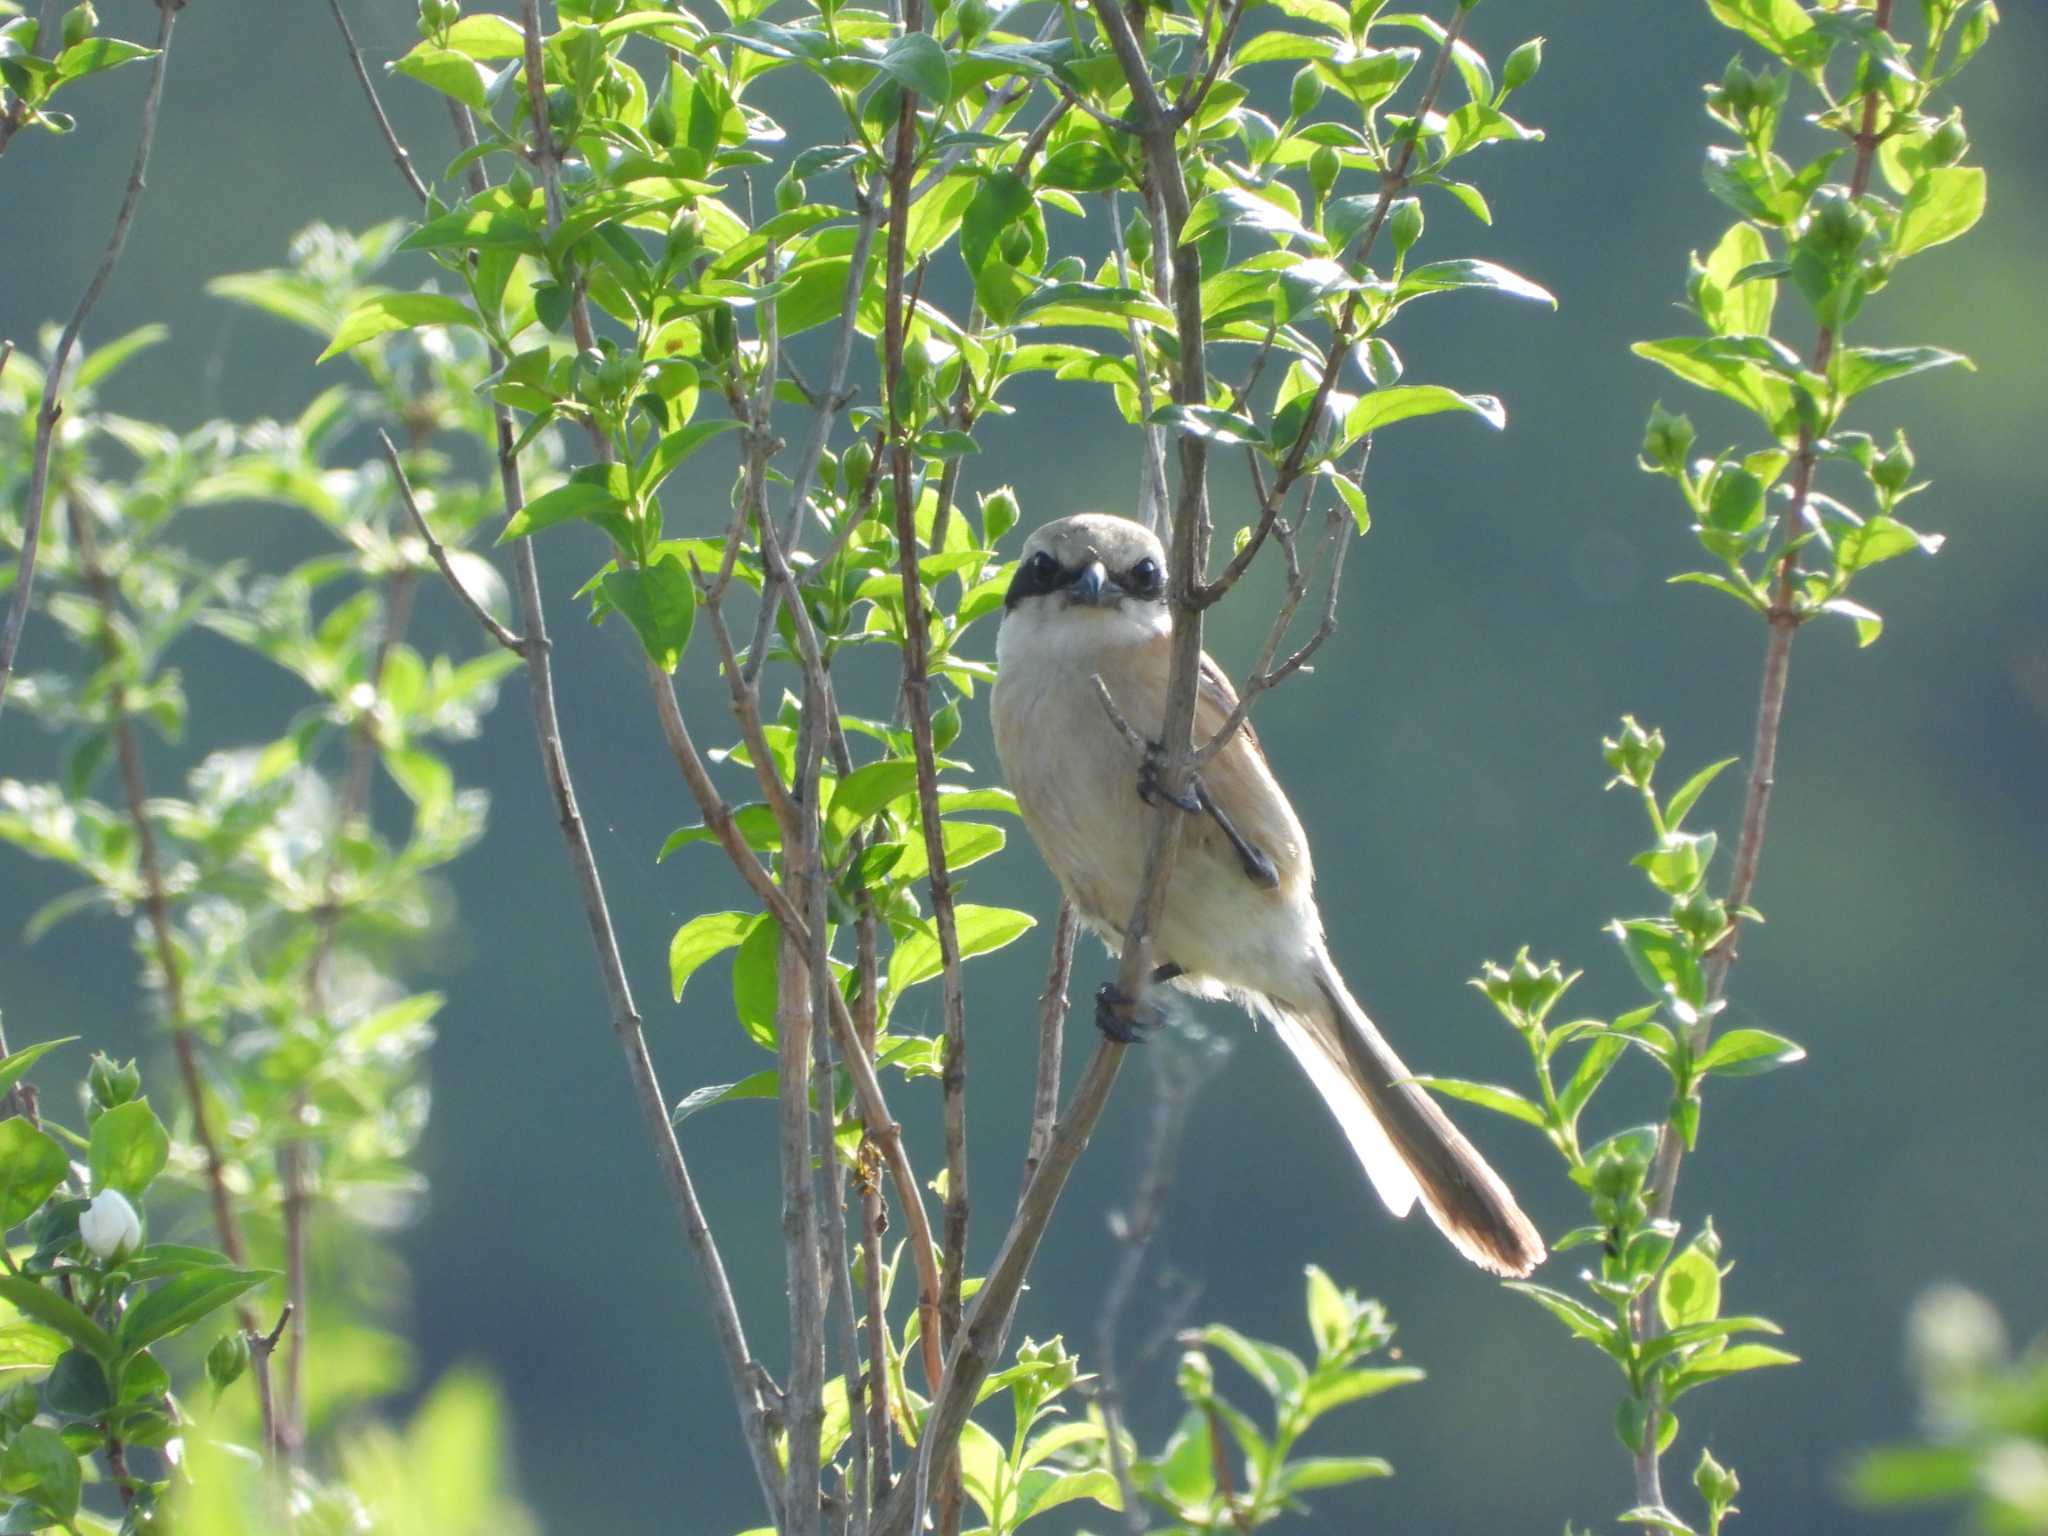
1091,561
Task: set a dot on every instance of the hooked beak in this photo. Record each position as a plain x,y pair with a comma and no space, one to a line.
1092,586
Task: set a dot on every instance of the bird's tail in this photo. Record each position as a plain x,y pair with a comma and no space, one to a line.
1407,1143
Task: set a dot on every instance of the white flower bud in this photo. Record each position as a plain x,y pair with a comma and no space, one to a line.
109,1225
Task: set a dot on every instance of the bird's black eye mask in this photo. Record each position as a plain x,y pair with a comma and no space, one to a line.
1036,576
1042,574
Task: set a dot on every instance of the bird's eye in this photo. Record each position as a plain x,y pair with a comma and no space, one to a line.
1145,576
1043,566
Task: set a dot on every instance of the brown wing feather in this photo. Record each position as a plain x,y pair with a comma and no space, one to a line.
1243,786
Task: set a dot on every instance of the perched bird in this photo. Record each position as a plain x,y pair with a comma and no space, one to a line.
1240,918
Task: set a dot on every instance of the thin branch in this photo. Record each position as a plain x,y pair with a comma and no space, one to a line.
916,695
824,416
1392,183
53,379
1784,621
741,1374
355,58
1152,464
439,554
157,908
1191,100
804,1414
1052,1018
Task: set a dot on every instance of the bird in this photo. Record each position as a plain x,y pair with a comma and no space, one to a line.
1240,921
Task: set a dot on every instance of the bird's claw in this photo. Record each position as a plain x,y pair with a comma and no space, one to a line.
1152,791
1124,1018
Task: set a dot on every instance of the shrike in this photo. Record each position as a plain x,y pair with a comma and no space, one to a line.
1240,918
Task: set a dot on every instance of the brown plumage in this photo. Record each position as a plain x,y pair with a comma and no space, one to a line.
1087,602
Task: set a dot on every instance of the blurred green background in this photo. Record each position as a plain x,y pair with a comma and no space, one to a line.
1508,605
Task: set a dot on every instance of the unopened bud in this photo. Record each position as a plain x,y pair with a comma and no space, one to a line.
80,22
1323,167
1666,442
110,1227
228,1358
1522,65
1305,93
1405,226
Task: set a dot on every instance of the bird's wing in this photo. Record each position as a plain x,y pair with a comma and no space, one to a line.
1243,787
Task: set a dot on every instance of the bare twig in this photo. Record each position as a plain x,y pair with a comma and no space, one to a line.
484,617
1152,463
53,378
1784,621
794,1022
355,58
741,1372
1052,1018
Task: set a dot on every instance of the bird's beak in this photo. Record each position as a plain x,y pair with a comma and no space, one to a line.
1092,587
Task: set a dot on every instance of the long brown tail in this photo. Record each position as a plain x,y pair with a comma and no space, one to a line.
1407,1143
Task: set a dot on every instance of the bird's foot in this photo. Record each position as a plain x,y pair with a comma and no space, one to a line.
1123,1018
1152,791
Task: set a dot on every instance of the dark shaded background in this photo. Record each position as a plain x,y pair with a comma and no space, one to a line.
1507,607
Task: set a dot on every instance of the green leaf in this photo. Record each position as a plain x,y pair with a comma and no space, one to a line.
182,1301
1662,957
1308,1472
866,790
1856,369
589,492
32,1164
660,601
96,54
77,1386
917,63
758,1085
1275,1369
1683,798
711,933
1329,1319
1332,1389
1778,24
1592,1070
1725,1362
1747,1052
108,356
1442,276
1944,203
1729,305
44,1306
16,1066
1869,623
755,991
451,73
1881,538
1743,369
1916,1474
485,36
1501,1100
1689,1290
129,1148
1383,407
1573,1313
1219,426
980,929
1656,1516
383,312
1082,165
29,1347
43,1469
677,446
